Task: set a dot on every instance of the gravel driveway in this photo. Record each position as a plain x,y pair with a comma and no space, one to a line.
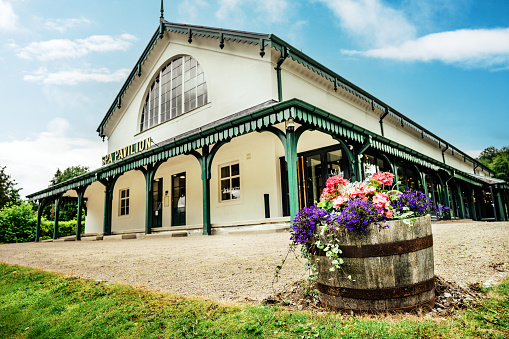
241,267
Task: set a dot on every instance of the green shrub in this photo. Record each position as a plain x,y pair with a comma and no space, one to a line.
65,228
17,223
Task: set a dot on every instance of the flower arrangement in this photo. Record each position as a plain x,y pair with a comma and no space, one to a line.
353,206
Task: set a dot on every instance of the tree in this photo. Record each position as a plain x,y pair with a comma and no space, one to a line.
8,194
496,160
68,210
68,173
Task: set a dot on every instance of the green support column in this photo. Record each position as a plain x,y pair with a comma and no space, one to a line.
289,141
108,197
424,184
396,177
291,161
447,200
81,193
421,180
351,159
471,203
445,197
149,174
39,215
205,160
149,177
500,206
358,155
462,203
109,185
205,181
56,212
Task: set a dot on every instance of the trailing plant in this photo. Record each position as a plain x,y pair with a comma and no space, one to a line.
351,207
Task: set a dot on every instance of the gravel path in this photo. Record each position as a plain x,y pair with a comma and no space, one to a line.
240,267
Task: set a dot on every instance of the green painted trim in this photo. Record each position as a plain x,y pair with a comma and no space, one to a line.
109,185
81,193
56,216
281,46
205,161
42,204
303,113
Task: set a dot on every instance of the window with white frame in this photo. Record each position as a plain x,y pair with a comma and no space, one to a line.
229,181
178,88
124,202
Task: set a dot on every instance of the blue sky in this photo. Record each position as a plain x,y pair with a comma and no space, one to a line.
444,64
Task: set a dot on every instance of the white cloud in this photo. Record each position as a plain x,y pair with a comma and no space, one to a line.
73,77
64,48
267,10
33,162
191,9
466,47
8,19
63,25
372,22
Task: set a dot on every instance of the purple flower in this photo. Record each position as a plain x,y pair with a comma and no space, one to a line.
357,214
413,201
305,222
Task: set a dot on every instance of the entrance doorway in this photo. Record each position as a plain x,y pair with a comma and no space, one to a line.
178,204
313,169
157,202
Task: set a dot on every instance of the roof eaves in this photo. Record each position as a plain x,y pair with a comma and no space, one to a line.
136,71
330,75
296,55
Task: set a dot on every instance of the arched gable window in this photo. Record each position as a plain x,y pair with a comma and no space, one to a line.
178,88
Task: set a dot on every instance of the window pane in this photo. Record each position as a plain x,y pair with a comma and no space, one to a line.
236,188
225,189
235,169
127,193
225,172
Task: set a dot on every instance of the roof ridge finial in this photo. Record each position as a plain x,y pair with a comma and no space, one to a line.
162,11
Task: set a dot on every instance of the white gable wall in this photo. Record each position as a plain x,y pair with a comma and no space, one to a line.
300,82
237,78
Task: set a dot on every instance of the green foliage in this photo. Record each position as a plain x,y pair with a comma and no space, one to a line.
17,223
497,160
8,194
68,209
68,173
65,228
35,304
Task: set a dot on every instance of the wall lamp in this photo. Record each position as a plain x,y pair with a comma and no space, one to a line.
290,125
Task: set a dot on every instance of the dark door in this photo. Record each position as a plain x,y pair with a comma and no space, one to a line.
178,204
313,170
157,202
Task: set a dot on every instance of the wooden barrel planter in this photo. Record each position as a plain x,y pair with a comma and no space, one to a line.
392,269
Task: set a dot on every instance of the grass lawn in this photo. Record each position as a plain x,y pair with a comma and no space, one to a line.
37,304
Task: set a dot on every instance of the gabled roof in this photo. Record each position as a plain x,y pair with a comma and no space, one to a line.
272,41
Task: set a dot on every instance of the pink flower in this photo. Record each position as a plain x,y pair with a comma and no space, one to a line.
386,178
388,214
334,187
382,200
339,201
